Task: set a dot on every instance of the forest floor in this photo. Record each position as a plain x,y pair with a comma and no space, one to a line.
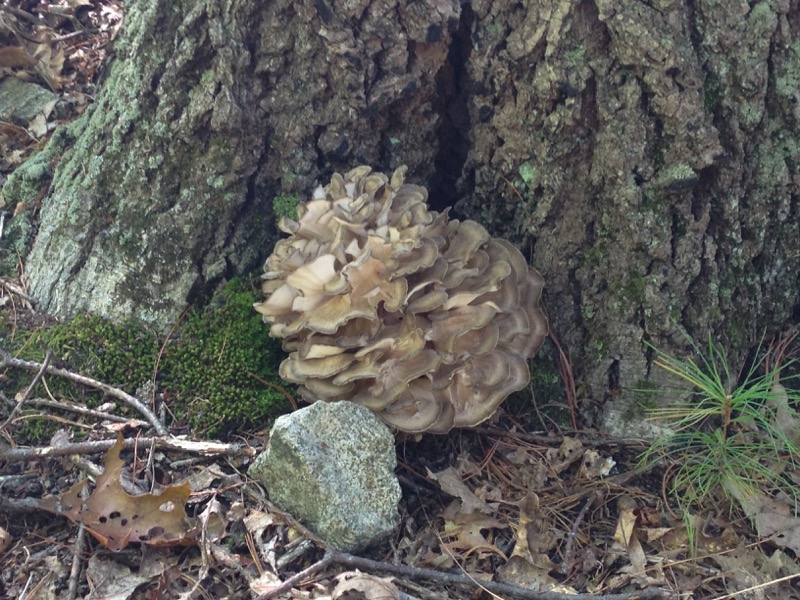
520,507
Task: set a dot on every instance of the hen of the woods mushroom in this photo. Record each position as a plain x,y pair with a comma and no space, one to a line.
427,321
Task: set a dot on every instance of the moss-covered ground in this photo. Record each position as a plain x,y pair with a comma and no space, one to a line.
216,372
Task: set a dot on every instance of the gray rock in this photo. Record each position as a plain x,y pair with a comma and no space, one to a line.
623,419
24,100
331,465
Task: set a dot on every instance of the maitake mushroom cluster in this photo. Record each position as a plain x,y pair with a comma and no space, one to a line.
427,321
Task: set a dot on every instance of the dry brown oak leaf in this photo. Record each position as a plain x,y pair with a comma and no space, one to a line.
116,518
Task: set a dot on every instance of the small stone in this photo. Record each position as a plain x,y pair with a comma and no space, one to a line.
24,101
331,465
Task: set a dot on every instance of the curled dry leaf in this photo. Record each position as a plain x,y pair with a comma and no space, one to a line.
354,585
594,466
530,565
5,540
561,458
626,535
451,483
116,518
265,583
211,523
13,57
49,65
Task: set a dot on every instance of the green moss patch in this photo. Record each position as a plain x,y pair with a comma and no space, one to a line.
215,371
285,205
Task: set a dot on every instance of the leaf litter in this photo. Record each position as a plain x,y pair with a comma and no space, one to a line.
555,515
63,46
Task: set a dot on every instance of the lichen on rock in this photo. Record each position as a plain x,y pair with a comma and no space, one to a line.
332,467
425,320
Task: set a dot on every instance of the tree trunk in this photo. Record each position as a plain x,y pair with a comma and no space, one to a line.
645,154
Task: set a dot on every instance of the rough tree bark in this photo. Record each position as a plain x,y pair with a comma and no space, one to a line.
645,154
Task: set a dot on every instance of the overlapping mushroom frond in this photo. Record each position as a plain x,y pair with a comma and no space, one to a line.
425,320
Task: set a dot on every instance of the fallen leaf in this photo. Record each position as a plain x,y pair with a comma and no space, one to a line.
257,521
748,567
626,522
116,518
530,565
212,522
517,571
49,65
562,457
265,583
209,478
450,482
5,540
775,519
625,535
110,580
354,585
38,126
534,533
595,466
464,532
13,57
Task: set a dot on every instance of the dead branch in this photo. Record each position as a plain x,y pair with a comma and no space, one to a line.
80,410
12,455
77,561
365,564
19,13
29,390
6,360
19,505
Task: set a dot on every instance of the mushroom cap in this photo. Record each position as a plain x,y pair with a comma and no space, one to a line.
427,321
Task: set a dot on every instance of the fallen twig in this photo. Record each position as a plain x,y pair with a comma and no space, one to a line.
10,506
298,578
573,532
356,562
586,438
77,560
6,360
80,410
29,390
255,493
13,288
12,455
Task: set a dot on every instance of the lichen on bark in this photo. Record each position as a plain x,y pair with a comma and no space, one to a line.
148,202
666,187
167,188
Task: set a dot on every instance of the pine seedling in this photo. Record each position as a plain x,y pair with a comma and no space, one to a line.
736,434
